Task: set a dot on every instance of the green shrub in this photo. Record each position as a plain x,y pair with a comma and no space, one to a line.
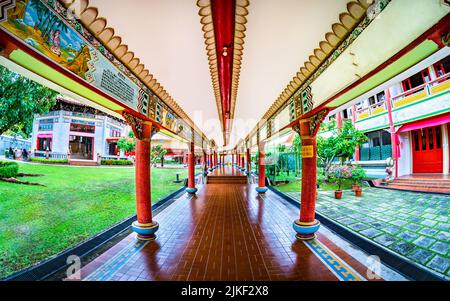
8,169
49,161
116,162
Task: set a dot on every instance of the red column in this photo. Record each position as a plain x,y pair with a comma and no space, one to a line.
205,161
249,163
394,135
232,159
242,161
210,161
145,227
307,225
261,169
357,153
191,169
339,120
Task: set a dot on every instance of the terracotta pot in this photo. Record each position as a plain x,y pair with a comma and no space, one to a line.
358,192
338,194
355,187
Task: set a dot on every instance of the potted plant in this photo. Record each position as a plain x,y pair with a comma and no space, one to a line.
336,177
358,174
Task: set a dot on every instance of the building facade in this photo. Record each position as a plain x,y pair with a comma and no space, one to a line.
77,132
14,142
408,121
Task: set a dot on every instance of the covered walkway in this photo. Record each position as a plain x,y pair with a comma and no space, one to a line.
230,232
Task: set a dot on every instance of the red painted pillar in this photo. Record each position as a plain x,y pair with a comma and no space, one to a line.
357,152
394,135
205,162
261,169
307,225
191,169
242,161
249,162
339,120
145,227
210,160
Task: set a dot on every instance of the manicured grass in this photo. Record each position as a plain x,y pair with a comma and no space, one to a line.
77,203
295,186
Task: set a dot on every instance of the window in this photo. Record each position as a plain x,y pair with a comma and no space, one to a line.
385,138
430,138
82,128
376,141
438,137
46,127
424,140
416,140
415,80
442,67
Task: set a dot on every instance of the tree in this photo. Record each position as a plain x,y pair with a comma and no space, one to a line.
20,99
297,149
127,144
341,144
158,153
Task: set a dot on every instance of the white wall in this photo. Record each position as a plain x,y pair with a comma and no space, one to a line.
405,160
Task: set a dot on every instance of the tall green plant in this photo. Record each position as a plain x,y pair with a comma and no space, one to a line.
341,144
20,99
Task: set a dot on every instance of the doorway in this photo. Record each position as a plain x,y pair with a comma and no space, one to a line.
427,150
81,147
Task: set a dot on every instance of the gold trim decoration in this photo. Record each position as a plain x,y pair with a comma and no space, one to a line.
98,27
239,34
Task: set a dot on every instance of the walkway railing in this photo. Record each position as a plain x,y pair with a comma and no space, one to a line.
423,91
51,155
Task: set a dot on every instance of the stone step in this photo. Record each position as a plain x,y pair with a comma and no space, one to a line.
420,188
441,181
430,185
82,163
226,180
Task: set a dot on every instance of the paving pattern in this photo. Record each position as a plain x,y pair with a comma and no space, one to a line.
227,232
414,225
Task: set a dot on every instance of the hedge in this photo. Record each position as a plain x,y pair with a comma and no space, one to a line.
8,169
116,162
49,161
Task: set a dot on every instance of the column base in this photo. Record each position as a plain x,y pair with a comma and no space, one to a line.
261,189
191,190
145,232
306,231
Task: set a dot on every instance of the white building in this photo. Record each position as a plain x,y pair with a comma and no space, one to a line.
74,129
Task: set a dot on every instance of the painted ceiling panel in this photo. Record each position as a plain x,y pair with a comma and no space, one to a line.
167,38
280,37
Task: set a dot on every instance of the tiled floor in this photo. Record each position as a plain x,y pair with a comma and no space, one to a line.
413,225
226,232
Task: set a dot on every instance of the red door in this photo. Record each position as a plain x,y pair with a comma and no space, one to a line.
427,150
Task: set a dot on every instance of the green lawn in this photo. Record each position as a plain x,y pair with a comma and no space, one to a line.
295,186
77,203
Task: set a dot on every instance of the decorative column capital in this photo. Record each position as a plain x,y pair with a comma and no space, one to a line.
143,130
308,127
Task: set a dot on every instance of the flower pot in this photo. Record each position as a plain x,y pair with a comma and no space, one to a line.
355,187
358,192
338,194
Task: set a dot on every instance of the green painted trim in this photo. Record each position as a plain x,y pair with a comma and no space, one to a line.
376,128
370,117
27,61
420,101
420,52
